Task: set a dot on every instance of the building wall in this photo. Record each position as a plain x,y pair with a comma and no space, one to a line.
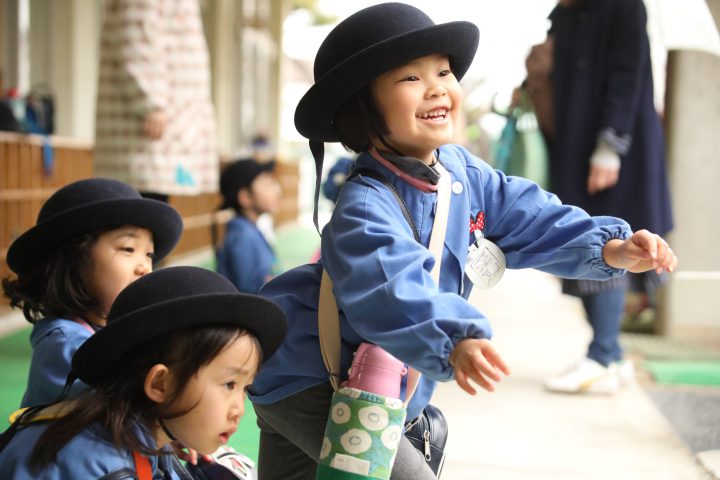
243,38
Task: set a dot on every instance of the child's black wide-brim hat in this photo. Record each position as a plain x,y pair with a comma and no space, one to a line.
369,43
88,205
173,299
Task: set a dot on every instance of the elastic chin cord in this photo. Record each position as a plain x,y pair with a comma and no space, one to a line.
318,152
388,146
166,430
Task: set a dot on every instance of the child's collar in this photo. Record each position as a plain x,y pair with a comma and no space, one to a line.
410,169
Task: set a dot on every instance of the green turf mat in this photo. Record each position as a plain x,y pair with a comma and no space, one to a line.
295,245
684,372
15,353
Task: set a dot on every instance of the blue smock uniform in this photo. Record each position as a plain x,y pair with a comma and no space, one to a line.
246,258
88,455
54,341
382,279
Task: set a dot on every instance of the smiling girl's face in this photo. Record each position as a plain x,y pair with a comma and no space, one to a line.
421,103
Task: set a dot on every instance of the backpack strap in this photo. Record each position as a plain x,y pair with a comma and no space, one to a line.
367,172
28,415
142,466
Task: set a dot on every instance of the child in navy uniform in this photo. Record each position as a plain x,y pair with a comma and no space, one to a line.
386,86
92,238
246,258
180,348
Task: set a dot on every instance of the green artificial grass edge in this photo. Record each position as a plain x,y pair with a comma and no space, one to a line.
684,372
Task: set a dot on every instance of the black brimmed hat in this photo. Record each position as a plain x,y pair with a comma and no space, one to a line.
362,47
172,299
369,43
87,205
240,174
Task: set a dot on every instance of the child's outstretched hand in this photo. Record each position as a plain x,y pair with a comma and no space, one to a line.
639,253
477,360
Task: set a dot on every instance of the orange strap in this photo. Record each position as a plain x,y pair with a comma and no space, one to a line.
142,466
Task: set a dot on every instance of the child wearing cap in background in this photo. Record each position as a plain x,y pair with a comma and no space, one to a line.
180,348
92,238
246,258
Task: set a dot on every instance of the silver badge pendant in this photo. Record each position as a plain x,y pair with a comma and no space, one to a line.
485,264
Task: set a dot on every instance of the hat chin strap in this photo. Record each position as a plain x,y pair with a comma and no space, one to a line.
385,143
318,152
166,430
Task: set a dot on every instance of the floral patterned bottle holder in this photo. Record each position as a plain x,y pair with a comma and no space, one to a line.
362,435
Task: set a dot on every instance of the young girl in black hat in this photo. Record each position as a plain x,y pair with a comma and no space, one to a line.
92,238
180,348
386,86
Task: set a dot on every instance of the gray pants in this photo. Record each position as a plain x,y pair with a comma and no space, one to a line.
291,433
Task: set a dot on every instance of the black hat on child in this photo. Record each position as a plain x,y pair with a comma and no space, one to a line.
362,47
86,205
369,43
240,174
172,299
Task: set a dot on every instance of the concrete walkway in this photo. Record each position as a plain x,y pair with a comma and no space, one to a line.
523,432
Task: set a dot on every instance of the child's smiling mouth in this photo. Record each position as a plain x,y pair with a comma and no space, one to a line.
434,115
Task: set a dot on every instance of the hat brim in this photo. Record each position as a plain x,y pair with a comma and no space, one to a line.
160,218
315,111
100,353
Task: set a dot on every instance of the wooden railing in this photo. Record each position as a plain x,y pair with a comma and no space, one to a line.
25,184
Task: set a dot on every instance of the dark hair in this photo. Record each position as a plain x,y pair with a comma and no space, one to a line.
119,402
55,286
359,120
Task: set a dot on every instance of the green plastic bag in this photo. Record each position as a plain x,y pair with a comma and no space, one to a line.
521,150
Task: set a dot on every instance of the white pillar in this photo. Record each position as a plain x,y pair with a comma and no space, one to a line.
74,52
691,304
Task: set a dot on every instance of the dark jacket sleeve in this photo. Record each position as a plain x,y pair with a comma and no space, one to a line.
627,57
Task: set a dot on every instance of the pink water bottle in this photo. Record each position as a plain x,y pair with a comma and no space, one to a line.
375,370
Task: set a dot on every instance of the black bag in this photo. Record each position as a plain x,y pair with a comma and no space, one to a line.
428,433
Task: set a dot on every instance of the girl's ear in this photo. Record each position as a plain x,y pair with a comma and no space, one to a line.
158,383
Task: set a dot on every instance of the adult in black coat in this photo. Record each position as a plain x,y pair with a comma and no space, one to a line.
608,152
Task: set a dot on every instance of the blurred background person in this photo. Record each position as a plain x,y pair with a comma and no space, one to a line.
246,257
155,127
607,154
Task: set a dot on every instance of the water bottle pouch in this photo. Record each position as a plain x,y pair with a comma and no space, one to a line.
362,433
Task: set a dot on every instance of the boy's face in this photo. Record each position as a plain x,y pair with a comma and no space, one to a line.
264,194
118,258
421,103
214,398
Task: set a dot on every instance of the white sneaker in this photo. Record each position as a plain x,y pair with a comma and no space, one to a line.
625,371
586,376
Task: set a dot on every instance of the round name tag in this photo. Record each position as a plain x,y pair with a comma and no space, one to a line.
485,264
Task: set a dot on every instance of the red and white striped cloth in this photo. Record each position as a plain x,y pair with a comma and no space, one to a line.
153,55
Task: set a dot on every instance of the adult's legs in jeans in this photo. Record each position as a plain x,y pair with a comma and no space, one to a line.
291,433
604,313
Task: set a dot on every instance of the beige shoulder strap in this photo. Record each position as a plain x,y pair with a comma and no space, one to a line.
328,318
51,412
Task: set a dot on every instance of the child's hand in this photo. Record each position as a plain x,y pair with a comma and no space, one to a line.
188,454
640,253
477,359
